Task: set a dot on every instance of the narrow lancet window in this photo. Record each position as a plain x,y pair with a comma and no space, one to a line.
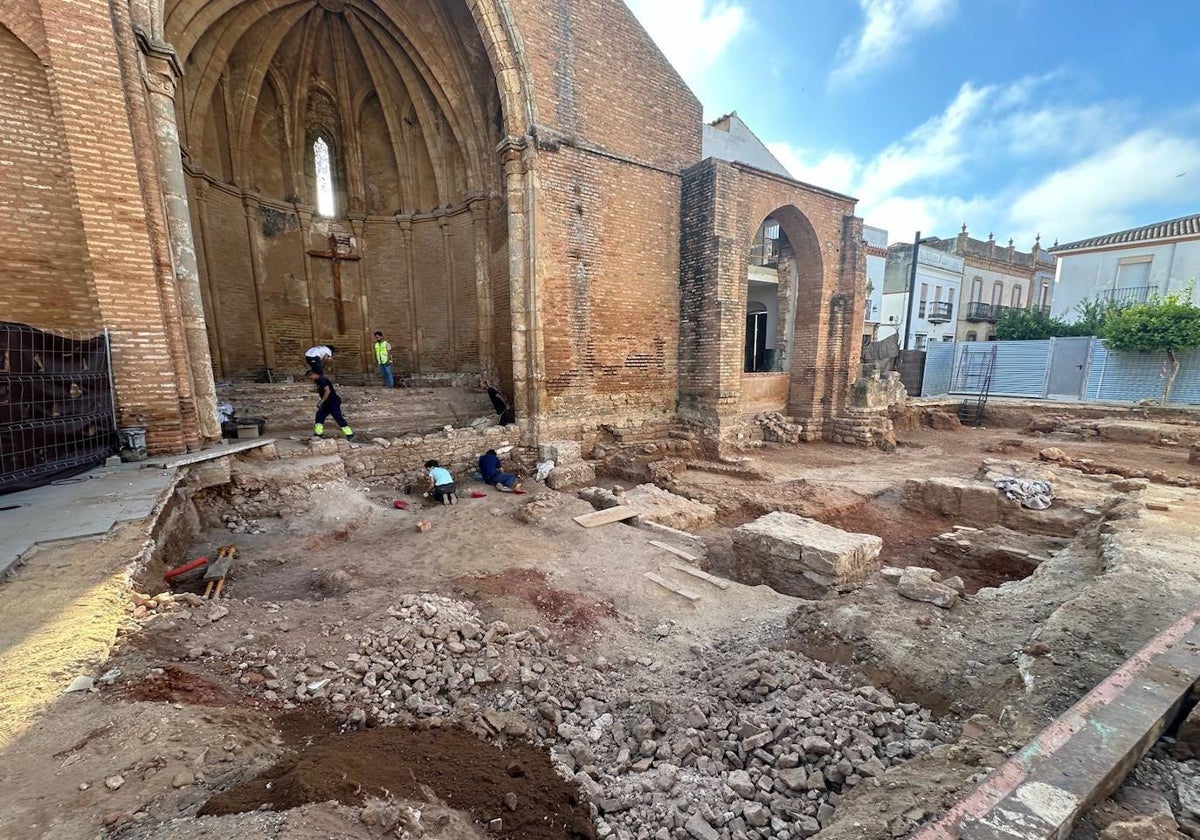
325,200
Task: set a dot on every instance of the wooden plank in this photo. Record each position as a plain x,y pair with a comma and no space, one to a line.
678,552
681,591
220,450
720,583
606,517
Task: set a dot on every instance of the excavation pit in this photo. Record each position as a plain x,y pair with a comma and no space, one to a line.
516,785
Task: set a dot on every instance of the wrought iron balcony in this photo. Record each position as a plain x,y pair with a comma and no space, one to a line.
940,311
1129,295
979,311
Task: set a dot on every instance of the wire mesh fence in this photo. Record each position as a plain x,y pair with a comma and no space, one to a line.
56,404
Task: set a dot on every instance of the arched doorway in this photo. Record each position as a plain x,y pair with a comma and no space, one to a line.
783,290
343,176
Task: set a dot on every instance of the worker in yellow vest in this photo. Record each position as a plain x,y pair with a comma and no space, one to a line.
383,357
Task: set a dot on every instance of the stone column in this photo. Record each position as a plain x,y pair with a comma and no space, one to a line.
256,271
410,283
448,273
304,216
201,189
524,384
162,74
483,284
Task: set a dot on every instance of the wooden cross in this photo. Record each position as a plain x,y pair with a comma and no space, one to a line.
339,251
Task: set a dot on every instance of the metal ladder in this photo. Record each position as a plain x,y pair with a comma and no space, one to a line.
976,372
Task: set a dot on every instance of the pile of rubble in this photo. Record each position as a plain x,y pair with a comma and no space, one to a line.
736,743
778,429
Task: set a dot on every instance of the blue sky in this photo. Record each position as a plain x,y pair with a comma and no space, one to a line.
1060,117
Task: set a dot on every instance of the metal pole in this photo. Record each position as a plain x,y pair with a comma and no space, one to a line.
912,292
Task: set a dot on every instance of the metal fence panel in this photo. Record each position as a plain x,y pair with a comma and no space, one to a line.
1020,371
1129,377
939,368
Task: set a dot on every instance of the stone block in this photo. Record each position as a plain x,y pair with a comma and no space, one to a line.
663,507
919,584
802,557
570,475
561,452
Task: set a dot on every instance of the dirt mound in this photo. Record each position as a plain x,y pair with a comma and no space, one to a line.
572,610
517,785
175,685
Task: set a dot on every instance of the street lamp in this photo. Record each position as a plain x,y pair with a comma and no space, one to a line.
912,286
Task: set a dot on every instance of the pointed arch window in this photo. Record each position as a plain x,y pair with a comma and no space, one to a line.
323,165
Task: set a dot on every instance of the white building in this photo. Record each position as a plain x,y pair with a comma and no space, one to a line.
1129,266
932,307
729,138
875,246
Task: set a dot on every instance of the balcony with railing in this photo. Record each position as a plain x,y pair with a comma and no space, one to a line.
940,312
1128,295
978,311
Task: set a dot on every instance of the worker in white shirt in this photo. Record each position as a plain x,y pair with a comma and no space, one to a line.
317,357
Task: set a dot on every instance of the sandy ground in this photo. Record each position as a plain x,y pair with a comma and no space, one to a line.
305,583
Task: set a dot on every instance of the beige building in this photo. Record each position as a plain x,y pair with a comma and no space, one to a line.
996,278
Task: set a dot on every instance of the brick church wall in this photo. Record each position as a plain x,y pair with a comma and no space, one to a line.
611,146
45,282
100,263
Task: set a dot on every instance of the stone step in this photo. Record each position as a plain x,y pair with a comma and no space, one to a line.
384,412
1083,756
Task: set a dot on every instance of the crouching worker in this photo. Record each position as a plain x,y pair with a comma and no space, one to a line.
329,403
441,484
489,468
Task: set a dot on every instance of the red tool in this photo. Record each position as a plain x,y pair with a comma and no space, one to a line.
176,572
478,494
400,504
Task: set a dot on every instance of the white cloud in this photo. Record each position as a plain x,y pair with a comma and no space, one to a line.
888,25
936,148
836,171
1103,192
693,34
928,180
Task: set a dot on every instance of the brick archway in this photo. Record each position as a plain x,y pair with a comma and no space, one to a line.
729,202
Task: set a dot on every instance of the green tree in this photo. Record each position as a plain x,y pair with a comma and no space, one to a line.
1168,325
1026,325
1035,325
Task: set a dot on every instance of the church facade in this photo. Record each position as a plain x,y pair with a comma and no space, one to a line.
507,187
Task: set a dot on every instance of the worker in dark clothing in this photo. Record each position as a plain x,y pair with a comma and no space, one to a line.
507,415
329,404
494,474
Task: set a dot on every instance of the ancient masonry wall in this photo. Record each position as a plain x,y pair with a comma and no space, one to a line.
724,204
610,146
90,249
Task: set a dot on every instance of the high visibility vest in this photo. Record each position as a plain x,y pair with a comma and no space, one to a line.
383,353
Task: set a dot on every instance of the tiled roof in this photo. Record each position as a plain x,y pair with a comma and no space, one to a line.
1184,226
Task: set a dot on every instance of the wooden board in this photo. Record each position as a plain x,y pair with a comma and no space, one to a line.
678,552
720,583
681,591
606,517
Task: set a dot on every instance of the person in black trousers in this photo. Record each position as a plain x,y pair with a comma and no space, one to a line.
329,404
503,411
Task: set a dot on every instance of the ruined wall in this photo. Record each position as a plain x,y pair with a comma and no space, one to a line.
46,275
91,249
415,280
724,204
615,125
